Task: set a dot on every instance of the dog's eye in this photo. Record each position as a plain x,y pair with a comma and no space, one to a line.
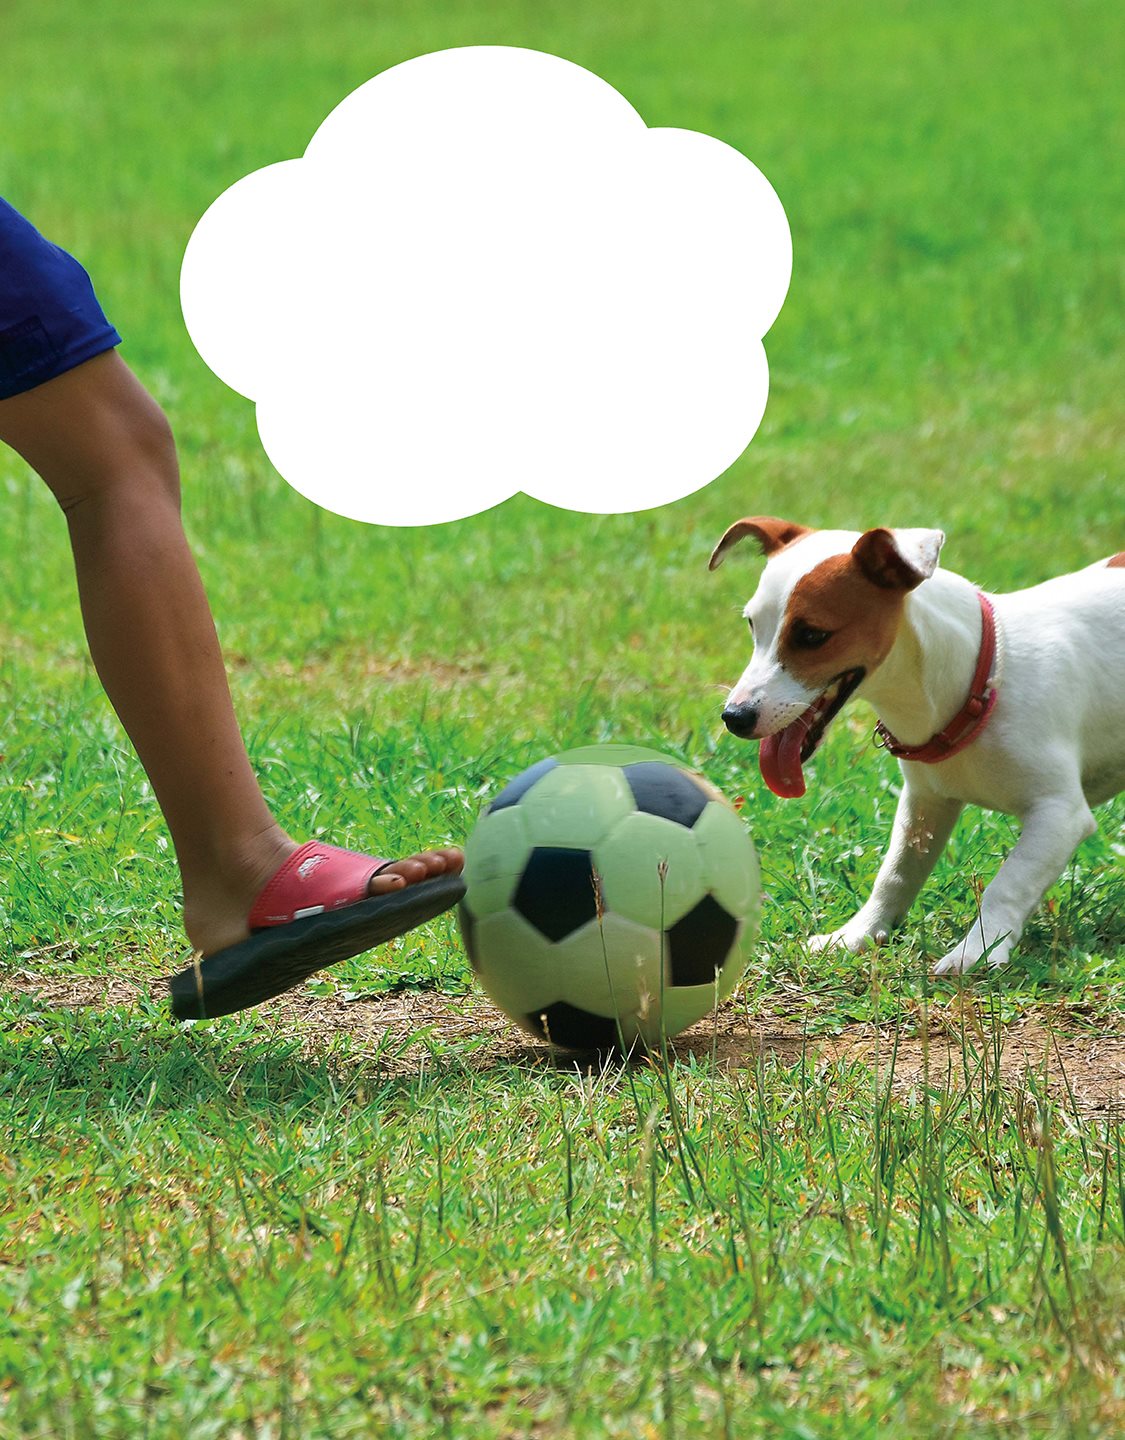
808,637
750,623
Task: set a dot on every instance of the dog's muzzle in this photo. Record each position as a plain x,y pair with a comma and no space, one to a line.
740,720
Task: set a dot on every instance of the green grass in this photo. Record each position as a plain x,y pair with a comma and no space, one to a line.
208,1232
209,1237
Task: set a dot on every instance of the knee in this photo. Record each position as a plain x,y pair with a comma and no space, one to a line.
154,448
133,457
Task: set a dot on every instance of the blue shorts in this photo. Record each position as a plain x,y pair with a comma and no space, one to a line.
50,319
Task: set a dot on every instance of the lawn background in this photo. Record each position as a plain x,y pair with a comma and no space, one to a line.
949,355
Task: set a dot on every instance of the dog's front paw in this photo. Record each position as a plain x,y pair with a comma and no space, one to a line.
970,951
851,937
958,962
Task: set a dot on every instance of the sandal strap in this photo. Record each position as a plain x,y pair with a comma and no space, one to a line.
315,878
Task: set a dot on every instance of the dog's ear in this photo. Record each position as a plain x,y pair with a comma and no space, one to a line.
898,559
771,534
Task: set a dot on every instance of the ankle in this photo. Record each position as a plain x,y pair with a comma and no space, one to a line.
219,893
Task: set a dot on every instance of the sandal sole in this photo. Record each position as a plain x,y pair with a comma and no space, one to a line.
273,961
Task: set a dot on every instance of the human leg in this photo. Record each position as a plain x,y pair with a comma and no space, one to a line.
103,446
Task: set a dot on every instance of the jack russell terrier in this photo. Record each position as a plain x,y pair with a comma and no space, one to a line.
1011,702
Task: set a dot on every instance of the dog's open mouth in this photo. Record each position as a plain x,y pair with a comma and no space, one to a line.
781,756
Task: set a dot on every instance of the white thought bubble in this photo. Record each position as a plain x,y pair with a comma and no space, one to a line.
487,275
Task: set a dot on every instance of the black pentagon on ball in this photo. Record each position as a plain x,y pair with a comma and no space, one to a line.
572,1028
666,791
699,943
516,789
468,933
556,891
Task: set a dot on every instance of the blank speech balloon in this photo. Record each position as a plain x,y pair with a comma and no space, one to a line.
487,275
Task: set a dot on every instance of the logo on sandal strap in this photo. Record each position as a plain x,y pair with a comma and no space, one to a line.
314,862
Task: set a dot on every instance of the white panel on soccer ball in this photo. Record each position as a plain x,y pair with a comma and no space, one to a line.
518,966
738,958
575,805
495,854
611,967
685,1005
629,859
728,859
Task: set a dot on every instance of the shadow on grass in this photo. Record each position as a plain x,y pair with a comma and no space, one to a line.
97,1043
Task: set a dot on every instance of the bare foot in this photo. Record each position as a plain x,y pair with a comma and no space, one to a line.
417,867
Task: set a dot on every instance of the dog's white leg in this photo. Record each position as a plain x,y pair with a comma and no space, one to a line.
1052,831
923,823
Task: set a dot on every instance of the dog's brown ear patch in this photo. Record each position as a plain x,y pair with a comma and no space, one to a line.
878,557
1116,562
771,534
835,596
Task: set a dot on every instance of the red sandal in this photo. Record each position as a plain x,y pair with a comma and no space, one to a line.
314,912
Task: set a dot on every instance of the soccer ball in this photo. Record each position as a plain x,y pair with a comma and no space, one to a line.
612,898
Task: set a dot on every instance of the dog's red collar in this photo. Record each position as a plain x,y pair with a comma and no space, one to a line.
972,717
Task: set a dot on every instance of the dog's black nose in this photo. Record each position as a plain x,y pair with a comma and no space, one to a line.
740,720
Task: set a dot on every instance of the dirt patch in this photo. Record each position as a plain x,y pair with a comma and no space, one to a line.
396,1029
1078,1057
97,991
1084,1071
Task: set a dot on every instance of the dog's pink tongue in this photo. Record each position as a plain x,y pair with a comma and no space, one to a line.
779,759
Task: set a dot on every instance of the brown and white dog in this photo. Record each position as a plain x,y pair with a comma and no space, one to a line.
1012,702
